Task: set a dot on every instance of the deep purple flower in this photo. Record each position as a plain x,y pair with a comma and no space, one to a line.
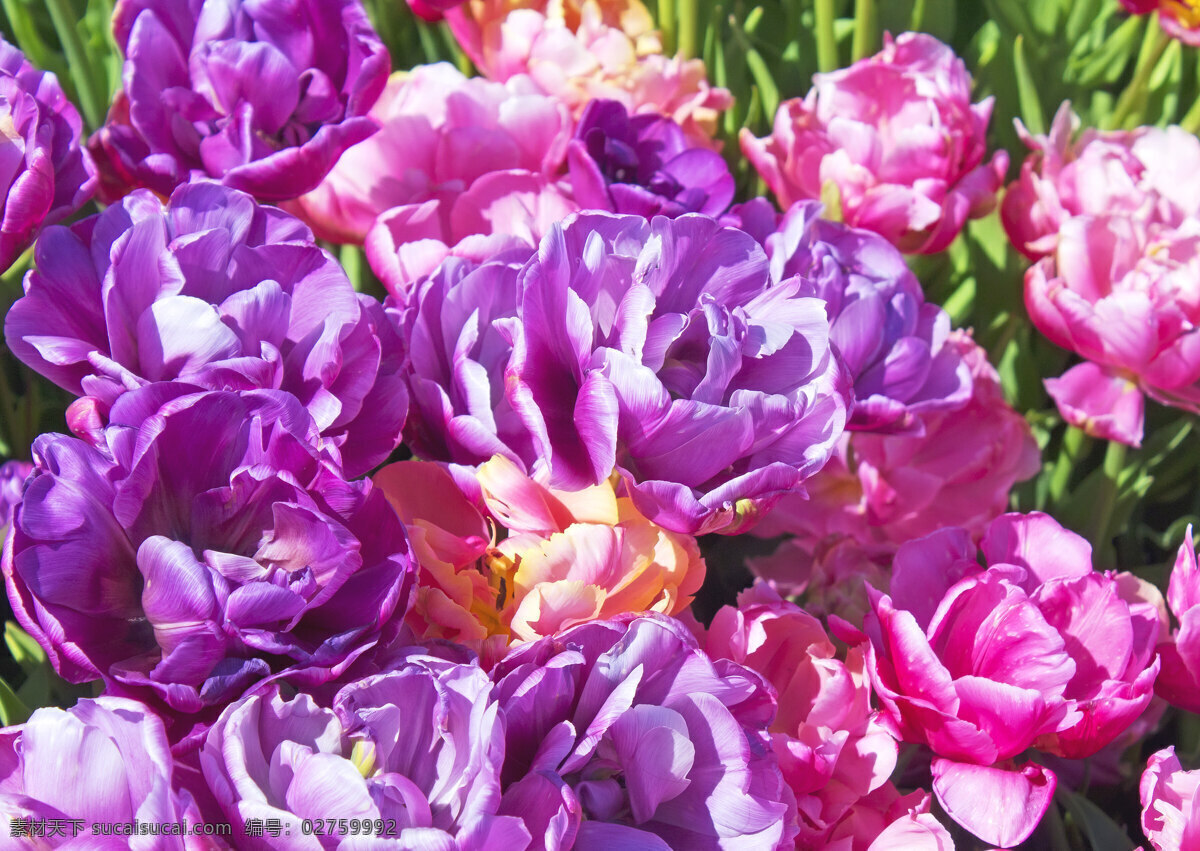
665,348
44,173
893,342
218,292
102,761
420,746
643,165
624,732
263,95
202,542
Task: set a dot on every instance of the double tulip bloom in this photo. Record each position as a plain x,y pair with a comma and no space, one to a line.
1037,650
261,96
894,139
44,173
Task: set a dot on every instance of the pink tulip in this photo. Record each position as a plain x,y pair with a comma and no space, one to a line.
880,491
1122,294
1170,817
1179,684
1150,174
440,133
831,748
1037,650
582,50
894,138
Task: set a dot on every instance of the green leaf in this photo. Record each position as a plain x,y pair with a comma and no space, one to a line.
12,710
1027,96
1102,832
25,651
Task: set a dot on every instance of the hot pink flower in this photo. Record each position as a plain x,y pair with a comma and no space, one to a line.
830,747
1123,294
880,491
1148,173
1180,683
1170,817
582,50
895,138
1037,650
566,557
440,133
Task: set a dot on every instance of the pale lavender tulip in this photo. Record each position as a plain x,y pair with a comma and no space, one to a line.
102,762
414,753
623,733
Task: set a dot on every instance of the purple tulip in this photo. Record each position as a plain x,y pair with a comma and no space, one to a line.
893,342
453,323
643,165
664,348
416,751
199,543
12,480
263,95
624,732
44,173
102,761
219,293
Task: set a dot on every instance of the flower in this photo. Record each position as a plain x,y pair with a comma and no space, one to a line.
640,342
831,749
418,747
50,767
894,343
1179,19
214,291
879,491
1036,650
47,175
643,165
212,542
1150,174
584,50
564,557
1179,684
894,139
1168,793
1122,294
440,133
263,96
624,731
12,480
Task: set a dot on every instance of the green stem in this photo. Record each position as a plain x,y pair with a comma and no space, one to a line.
687,17
351,259
1072,450
827,56
1135,93
1191,121
866,30
85,77
666,26
917,20
26,34
1114,462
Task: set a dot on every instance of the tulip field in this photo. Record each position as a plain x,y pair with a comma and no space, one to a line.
613,425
